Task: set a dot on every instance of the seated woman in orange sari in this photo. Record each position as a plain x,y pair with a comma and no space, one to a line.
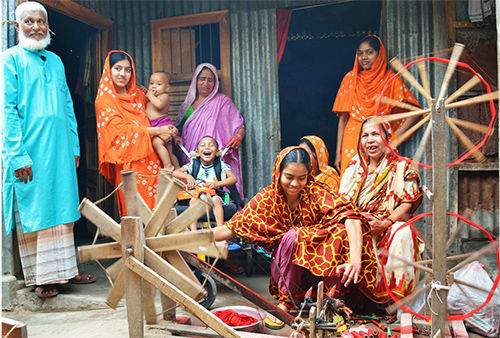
318,152
357,96
315,233
123,129
387,191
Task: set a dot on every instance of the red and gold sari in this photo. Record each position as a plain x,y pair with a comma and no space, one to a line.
123,138
319,237
379,192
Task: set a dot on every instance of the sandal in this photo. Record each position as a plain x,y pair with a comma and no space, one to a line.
46,291
273,323
83,278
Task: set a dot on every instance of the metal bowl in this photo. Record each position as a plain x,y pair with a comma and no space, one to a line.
246,310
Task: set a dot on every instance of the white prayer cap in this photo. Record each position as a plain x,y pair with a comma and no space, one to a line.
29,6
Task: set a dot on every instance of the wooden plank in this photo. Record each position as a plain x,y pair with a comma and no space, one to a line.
143,209
99,251
188,50
200,331
239,288
225,55
180,297
312,322
192,20
130,192
170,272
132,246
162,211
175,258
78,12
190,215
114,269
107,225
406,326
13,328
459,330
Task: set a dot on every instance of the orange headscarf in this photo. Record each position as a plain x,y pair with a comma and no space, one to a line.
122,134
327,174
359,89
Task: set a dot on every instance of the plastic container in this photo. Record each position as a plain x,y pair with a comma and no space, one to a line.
246,310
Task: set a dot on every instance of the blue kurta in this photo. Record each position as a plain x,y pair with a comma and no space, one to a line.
39,130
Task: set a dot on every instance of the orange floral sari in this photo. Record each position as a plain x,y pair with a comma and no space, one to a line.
357,96
327,174
123,138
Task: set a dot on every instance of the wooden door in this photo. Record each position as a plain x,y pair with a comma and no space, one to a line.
180,43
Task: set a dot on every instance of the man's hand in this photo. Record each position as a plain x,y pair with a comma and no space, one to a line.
234,142
24,174
77,161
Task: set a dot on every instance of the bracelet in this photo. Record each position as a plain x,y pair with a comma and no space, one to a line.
389,219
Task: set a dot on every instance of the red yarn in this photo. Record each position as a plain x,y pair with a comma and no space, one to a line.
233,318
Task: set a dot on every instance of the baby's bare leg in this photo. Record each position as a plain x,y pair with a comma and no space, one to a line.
194,225
173,159
162,152
218,210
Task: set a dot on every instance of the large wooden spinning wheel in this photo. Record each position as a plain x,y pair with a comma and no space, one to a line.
439,272
442,104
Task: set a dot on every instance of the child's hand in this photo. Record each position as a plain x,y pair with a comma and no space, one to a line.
165,133
173,129
178,139
212,185
190,181
144,90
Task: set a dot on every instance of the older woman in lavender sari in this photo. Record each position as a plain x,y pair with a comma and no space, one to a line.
205,111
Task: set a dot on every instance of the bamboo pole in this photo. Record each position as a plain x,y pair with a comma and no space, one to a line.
474,81
400,116
423,142
424,77
473,100
465,140
397,66
404,136
455,56
398,104
470,125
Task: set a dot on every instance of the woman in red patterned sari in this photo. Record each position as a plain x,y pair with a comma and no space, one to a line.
315,233
387,191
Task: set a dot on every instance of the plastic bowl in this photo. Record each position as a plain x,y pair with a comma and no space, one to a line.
246,310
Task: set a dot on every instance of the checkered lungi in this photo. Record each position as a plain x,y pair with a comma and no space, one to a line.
47,256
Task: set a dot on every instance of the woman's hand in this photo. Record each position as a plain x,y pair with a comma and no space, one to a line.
165,133
349,272
336,164
377,226
234,142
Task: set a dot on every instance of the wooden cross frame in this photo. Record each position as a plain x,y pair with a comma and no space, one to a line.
139,249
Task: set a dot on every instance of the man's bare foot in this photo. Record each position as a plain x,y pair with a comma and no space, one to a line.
46,291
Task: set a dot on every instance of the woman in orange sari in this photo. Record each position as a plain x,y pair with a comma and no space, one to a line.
123,130
387,191
318,152
357,96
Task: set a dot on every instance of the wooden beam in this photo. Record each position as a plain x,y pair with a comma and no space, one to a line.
107,225
78,12
143,209
190,215
201,331
162,211
132,246
180,297
99,251
175,258
13,329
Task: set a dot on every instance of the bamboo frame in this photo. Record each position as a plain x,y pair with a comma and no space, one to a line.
400,116
404,136
424,77
474,81
397,66
398,104
470,125
473,100
465,140
455,56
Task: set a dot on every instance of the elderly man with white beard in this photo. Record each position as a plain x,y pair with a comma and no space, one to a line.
40,155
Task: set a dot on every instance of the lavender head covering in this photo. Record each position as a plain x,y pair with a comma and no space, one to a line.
192,91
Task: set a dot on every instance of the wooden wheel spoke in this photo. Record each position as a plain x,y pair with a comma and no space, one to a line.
470,125
455,56
448,259
465,140
423,142
465,283
400,116
454,235
403,105
408,262
462,90
473,100
425,79
397,66
403,136
488,249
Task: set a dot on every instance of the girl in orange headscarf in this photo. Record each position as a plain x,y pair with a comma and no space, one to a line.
318,152
123,130
357,96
